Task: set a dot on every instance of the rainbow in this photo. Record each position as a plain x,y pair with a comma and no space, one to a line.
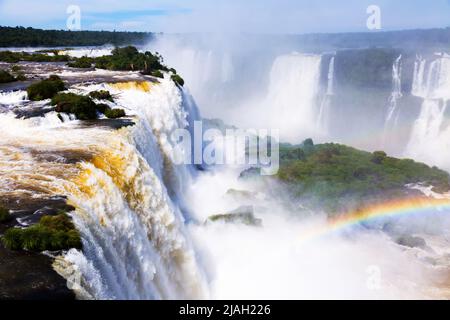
395,208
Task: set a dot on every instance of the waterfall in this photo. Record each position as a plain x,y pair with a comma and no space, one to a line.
291,102
393,111
124,187
430,137
323,118
392,115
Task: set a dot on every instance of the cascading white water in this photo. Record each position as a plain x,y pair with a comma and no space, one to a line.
323,118
430,137
291,101
124,190
393,112
206,71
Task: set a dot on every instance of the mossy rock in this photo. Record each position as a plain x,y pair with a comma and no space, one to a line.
115,113
242,215
5,216
16,68
45,89
81,106
6,77
21,76
101,95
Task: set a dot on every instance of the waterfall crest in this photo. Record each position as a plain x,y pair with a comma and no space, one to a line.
430,137
291,102
124,187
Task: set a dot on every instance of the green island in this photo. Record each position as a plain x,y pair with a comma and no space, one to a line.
121,59
332,175
51,233
83,107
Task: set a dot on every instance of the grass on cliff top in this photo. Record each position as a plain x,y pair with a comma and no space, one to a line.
333,172
51,233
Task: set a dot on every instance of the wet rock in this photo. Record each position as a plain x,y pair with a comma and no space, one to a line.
242,215
30,276
411,242
241,194
107,123
250,173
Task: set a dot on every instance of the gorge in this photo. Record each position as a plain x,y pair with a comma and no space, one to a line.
144,221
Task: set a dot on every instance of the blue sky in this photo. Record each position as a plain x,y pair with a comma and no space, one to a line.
251,16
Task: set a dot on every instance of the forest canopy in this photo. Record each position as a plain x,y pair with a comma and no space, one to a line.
20,37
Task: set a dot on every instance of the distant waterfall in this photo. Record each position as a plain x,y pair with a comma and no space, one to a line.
291,102
430,137
323,118
392,115
393,111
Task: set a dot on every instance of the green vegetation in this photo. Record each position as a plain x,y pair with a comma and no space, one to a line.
16,68
6,77
14,57
101,95
81,63
130,59
84,107
51,233
124,59
114,113
331,174
177,79
4,215
45,89
30,37
157,74
20,76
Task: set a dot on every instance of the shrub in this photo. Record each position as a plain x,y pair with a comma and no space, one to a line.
308,143
177,79
21,77
101,95
130,59
51,233
45,89
16,68
102,107
83,107
114,113
82,63
12,239
378,157
9,56
4,215
6,77
157,74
